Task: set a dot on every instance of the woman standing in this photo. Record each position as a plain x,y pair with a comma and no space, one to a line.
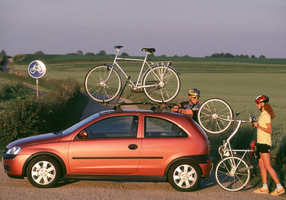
264,131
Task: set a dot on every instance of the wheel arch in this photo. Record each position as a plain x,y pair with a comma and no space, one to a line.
186,158
58,159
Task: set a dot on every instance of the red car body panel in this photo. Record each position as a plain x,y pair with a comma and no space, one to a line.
147,156
92,156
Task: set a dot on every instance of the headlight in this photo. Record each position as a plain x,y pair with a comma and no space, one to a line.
14,150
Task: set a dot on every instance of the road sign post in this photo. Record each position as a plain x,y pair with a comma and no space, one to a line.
37,69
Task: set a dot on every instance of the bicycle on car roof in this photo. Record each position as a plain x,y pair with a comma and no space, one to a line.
160,82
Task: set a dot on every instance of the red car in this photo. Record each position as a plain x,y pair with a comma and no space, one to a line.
109,145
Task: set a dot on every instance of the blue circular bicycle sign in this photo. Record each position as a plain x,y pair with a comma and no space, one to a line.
37,69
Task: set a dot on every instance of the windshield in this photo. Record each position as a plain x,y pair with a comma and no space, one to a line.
79,124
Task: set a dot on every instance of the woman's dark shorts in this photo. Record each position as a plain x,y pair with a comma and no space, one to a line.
262,148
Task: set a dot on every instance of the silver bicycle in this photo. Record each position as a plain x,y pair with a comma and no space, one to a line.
232,172
160,82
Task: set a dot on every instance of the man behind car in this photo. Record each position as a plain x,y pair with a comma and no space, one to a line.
190,107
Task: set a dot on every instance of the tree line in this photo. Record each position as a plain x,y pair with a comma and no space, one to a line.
3,55
228,55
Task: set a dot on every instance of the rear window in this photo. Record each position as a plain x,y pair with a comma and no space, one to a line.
157,127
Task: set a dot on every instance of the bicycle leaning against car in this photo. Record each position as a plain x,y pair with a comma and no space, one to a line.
232,172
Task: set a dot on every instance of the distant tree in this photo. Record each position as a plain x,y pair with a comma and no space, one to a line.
102,53
228,55
3,53
79,52
262,56
176,55
253,56
90,54
163,55
124,54
243,56
2,60
217,55
39,53
186,56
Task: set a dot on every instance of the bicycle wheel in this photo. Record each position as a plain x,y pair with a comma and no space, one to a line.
211,116
102,83
161,84
232,174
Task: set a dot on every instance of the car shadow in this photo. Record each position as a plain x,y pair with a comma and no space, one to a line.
64,182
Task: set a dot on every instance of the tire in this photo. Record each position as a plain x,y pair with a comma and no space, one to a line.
164,89
184,176
96,87
210,113
232,181
43,172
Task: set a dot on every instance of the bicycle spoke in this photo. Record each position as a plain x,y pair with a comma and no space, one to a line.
161,84
102,83
230,178
211,116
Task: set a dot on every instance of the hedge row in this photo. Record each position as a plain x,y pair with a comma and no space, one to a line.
26,116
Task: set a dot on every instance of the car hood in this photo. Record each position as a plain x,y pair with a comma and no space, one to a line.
44,138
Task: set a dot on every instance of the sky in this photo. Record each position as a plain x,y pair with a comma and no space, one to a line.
196,28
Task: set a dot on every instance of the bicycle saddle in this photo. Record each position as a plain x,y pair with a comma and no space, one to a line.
118,47
150,50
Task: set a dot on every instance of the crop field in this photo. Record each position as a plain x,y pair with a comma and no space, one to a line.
238,83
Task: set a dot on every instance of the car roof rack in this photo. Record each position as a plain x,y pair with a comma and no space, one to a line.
155,107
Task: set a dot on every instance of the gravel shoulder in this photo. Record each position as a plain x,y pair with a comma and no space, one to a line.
92,189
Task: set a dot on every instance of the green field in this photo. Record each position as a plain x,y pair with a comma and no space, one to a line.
238,83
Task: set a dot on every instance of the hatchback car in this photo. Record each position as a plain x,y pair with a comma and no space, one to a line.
110,145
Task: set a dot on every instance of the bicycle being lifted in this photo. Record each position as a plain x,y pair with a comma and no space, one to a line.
160,82
233,171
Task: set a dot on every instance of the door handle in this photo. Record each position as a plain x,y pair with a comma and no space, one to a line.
132,146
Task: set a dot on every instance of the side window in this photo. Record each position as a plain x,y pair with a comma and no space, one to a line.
114,127
157,127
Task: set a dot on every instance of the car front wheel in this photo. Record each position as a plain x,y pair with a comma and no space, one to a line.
43,172
184,176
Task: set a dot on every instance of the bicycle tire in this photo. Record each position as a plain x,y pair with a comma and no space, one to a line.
229,180
162,91
96,87
208,115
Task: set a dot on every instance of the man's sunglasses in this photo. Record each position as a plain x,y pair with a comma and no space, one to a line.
194,97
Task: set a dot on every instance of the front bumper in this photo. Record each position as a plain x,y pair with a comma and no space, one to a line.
13,165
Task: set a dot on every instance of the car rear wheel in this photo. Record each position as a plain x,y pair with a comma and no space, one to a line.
43,172
184,176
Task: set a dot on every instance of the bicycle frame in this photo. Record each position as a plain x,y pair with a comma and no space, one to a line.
136,84
226,147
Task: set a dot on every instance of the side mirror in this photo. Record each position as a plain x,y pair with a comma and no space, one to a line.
82,134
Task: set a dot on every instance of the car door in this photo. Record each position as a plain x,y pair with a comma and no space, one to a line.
162,142
111,147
